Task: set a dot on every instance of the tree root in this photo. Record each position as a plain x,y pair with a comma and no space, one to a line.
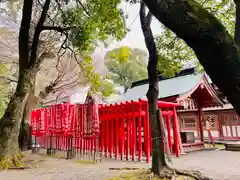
195,174
11,162
170,173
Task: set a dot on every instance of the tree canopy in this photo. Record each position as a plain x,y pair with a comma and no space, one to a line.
126,65
174,52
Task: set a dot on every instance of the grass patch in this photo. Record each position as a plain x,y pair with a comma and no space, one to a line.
85,162
56,156
52,155
145,175
219,146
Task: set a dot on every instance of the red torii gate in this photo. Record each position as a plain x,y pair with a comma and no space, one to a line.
169,114
121,128
124,128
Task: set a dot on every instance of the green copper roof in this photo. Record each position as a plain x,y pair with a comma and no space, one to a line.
167,88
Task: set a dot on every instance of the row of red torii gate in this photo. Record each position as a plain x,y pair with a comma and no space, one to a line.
120,130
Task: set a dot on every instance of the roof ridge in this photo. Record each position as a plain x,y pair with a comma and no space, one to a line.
185,72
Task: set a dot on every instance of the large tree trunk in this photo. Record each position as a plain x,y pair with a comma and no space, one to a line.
158,158
28,63
25,139
11,120
24,130
214,47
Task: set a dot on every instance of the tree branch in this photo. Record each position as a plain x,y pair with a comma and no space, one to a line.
23,45
57,28
149,18
38,30
84,9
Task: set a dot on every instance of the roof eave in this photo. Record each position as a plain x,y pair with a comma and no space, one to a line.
212,92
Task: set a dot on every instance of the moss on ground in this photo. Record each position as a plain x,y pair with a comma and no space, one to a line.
12,162
85,162
145,175
219,146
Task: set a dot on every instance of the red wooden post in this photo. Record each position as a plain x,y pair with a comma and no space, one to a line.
84,128
53,123
200,123
140,132
133,103
59,114
100,127
89,144
33,122
76,127
92,144
147,132
80,121
84,145
131,119
175,132
128,119
149,137
107,133
220,129
169,132
122,136
111,119
103,131
117,128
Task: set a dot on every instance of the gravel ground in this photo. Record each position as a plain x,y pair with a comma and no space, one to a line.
59,169
220,165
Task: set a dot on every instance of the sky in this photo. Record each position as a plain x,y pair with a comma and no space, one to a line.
134,38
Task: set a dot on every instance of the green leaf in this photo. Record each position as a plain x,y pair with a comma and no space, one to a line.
97,22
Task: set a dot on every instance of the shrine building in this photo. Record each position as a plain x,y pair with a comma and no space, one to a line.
202,103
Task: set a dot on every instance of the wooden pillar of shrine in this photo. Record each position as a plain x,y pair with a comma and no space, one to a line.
200,119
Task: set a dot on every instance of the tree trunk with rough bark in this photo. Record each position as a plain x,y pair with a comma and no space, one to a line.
158,158
28,63
25,140
214,47
11,120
